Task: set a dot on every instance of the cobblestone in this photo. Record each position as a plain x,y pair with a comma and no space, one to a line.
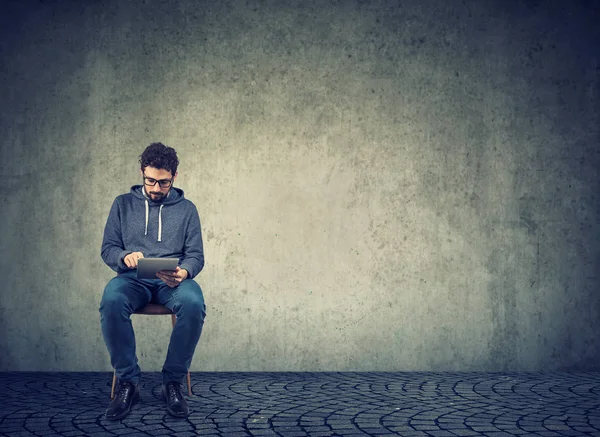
292,404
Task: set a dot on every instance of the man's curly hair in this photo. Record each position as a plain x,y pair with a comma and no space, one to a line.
159,156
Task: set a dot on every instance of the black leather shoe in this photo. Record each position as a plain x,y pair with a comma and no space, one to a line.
176,404
127,396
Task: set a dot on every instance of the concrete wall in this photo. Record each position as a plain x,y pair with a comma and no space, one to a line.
406,187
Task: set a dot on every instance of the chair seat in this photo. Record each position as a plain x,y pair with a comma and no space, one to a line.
153,309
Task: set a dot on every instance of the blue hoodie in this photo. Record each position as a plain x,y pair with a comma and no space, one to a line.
168,229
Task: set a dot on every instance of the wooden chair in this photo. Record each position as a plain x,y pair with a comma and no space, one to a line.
153,309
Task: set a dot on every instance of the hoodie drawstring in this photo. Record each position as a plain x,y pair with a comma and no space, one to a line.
159,221
146,231
159,217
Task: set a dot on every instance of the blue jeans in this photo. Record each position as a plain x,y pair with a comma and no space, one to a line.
123,295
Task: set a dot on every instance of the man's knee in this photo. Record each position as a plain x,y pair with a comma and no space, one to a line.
114,298
191,299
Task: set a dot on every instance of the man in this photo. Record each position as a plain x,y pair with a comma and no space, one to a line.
152,220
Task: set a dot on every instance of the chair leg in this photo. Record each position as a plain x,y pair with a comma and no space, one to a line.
114,382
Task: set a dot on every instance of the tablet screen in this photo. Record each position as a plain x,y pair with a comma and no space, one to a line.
148,267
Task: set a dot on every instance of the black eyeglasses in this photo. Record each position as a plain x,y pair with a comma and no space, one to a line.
164,183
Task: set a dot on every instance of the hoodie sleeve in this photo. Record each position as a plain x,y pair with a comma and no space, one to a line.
193,251
112,244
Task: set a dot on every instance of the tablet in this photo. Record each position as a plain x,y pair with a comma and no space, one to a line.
148,267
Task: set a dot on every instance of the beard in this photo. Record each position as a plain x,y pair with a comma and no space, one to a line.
156,197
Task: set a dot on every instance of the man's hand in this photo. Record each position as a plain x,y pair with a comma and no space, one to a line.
173,278
131,259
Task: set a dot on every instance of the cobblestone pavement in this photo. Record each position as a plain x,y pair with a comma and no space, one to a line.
311,404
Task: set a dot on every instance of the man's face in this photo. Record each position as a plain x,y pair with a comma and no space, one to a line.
157,176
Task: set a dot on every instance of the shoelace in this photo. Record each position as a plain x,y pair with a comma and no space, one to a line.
174,392
124,390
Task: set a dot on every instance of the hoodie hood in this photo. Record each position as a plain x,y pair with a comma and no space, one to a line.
175,195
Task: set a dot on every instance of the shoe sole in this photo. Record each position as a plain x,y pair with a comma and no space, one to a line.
135,400
181,415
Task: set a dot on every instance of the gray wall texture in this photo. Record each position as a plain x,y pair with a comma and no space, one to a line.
383,186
